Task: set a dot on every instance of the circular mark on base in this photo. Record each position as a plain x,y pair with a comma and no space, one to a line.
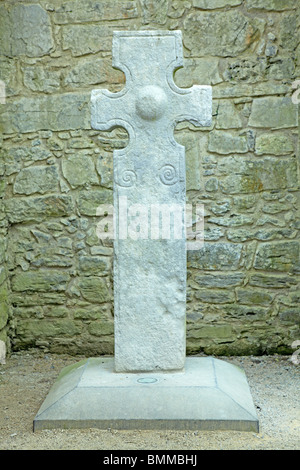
147,380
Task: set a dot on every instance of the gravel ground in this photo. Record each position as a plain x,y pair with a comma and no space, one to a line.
27,377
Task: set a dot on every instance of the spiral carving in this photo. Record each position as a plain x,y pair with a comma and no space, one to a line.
128,178
168,175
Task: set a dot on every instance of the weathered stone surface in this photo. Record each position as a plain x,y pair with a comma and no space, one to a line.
94,289
225,33
226,143
276,5
213,296
85,39
8,75
258,175
220,280
289,31
94,265
154,11
40,281
272,281
95,10
37,179
149,296
253,297
79,170
91,72
228,117
41,79
212,4
30,28
202,71
216,256
281,256
59,112
245,69
88,201
37,208
273,112
34,331
14,158
274,144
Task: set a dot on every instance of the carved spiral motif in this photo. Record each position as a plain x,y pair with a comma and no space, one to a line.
127,179
168,175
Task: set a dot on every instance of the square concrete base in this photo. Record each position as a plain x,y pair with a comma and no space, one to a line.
208,394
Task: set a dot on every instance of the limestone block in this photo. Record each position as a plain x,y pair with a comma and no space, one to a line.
202,71
79,170
94,289
37,208
225,143
222,33
274,144
254,176
42,79
273,112
228,280
84,39
36,179
278,256
216,256
30,28
212,4
53,112
228,116
276,5
96,10
40,281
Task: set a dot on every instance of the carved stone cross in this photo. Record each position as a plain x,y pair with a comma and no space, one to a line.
149,188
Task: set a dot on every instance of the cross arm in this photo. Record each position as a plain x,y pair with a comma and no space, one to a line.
110,110
193,104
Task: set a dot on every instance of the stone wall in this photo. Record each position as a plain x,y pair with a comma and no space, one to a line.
56,287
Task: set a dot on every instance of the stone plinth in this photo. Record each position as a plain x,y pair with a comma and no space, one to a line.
208,394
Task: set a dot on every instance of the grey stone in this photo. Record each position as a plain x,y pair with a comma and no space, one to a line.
154,11
211,280
41,79
216,256
84,39
221,33
201,71
95,10
53,112
273,112
212,4
278,256
257,175
274,144
276,5
30,28
149,296
226,143
38,179
79,170
37,208
89,394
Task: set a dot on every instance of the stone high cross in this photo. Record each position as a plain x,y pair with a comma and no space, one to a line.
149,269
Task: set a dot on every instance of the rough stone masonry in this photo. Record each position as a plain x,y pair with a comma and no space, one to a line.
55,275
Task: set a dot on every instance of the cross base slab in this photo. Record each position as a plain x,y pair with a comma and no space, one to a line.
209,394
